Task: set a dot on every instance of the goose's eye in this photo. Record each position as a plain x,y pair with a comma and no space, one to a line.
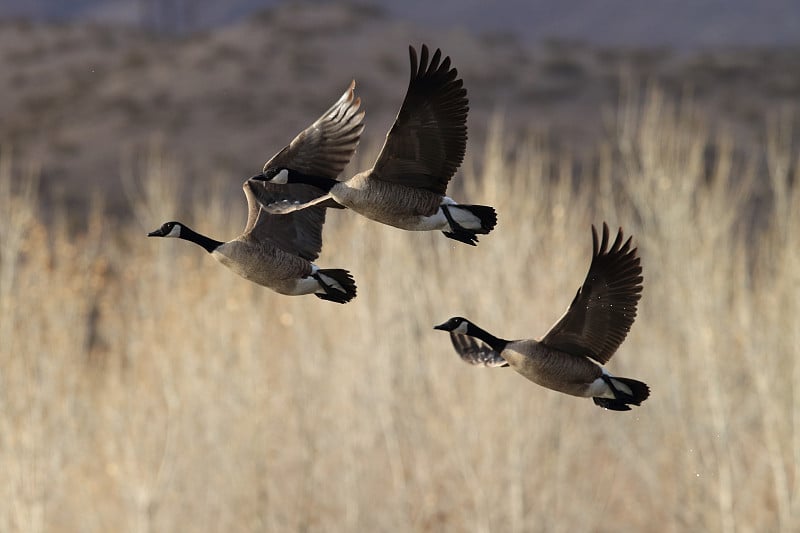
171,229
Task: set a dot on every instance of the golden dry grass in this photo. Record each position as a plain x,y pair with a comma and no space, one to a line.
143,387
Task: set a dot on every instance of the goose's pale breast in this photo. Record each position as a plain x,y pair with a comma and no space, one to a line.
388,203
552,369
263,264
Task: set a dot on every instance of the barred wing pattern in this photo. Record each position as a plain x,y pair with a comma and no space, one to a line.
326,146
475,352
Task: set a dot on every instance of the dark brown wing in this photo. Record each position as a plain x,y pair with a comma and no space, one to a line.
298,233
427,141
600,316
475,352
326,146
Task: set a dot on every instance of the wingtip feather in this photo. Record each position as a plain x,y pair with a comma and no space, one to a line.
434,64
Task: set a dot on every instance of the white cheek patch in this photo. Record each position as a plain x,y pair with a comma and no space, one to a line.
462,328
281,178
174,232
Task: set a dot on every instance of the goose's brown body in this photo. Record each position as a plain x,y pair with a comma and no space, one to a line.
389,203
266,265
551,368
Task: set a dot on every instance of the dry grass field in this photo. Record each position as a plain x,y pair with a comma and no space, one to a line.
144,387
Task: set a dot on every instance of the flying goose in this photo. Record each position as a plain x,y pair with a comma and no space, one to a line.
593,327
277,251
406,186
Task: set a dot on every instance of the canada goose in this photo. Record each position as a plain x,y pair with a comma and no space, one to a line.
276,251
406,186
593,327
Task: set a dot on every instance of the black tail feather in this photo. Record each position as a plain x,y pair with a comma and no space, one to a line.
461,235
611,405
639,393
333,294
485,214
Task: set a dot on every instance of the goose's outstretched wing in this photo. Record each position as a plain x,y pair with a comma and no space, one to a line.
326,146
475,352
299,233
603,310
427,141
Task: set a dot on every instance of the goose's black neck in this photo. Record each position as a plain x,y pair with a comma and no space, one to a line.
208,243
496,343
320,182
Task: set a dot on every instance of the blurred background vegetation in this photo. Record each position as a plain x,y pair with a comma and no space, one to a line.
143,387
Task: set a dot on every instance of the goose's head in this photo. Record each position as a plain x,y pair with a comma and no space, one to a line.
456,324
279,176
167,229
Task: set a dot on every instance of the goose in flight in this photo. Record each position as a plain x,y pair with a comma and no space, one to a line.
406,187
593,327
277,251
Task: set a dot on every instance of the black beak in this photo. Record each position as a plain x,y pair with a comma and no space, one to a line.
442,327
156,233
259,177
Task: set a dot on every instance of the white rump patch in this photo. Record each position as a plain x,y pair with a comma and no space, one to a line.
600,388
327,279
305,285
465,218
438,221
281,178
622,387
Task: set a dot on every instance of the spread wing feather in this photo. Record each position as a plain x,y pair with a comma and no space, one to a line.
326,146
604,308
426,144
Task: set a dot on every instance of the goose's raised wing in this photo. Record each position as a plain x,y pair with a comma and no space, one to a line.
298,233
427,141
326,146
603,310
475,352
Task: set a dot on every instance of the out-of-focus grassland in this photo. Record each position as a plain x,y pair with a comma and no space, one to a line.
143,387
